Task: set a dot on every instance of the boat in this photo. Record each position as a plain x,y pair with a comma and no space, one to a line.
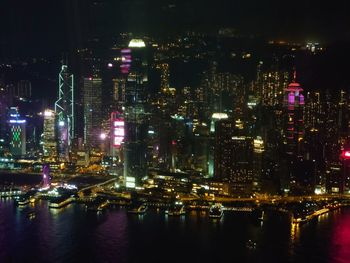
216,211
176,210
251,244
138,209
31,214
61,202
22,201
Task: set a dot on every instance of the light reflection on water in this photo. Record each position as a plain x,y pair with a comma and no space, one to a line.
72,234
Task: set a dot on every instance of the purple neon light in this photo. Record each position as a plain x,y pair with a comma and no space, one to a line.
291,98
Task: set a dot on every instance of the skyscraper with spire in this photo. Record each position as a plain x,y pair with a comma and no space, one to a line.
64,109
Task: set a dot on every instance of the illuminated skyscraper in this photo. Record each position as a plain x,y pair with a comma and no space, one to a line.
17,133
135,147
92,99
294,129
272,84
234,157
49,141
64,108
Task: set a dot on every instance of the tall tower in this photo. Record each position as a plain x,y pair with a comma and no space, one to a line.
49,137
135,147
92,98
64,108
294,128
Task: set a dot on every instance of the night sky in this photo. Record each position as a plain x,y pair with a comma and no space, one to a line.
46,26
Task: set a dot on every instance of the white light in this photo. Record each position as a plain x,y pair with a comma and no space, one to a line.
219,116
130,179
103,136
130,185
119,132
18,121
61,123
137,43
48,113
118,123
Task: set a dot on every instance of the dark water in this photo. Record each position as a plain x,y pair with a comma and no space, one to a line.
74,235
7,179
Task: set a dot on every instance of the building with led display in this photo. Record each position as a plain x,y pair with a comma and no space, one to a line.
117,134
17,133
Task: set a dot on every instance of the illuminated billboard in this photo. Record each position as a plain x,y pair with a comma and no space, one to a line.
117,130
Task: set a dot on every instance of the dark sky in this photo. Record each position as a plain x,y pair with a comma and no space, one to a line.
45,26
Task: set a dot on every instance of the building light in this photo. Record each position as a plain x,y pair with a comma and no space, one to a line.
18,121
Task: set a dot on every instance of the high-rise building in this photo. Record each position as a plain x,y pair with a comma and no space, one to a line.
17,133
234,157
294,127
135,146
92,99
64,108
49,141
272,85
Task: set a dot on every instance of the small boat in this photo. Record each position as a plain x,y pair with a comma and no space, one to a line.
176,210
251,244
138,209
31,214
216,211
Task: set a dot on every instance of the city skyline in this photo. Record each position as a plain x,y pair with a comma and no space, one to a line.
151,131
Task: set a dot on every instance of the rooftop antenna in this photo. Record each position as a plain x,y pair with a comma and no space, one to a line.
294,75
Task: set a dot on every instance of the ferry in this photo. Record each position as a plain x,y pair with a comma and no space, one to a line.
139,209
216,211
177,210
22,201
61,202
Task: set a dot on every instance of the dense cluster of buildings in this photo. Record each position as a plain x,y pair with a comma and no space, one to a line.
124,113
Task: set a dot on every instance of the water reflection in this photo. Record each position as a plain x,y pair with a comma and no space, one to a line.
340,243
73,234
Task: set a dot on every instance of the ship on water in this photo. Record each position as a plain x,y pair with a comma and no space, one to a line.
138,208
216,211
178,209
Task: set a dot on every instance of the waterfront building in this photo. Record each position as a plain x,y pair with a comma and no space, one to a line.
234,157
135,146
